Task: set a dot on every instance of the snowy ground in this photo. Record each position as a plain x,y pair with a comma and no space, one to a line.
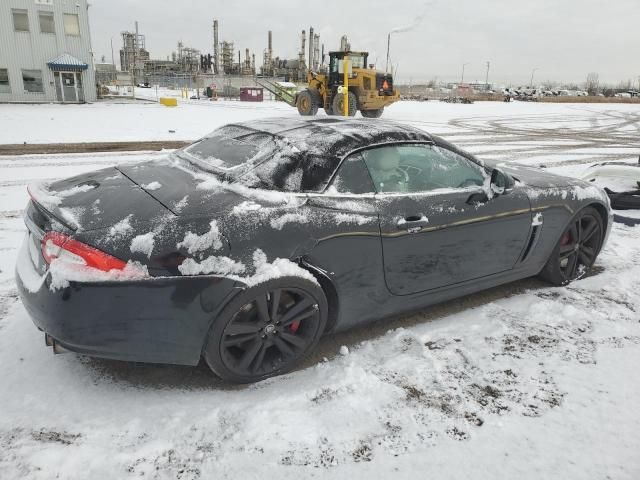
520,381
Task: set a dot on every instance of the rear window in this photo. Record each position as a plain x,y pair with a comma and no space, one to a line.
264,160
230,147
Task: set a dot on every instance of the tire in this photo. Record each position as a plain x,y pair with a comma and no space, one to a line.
338,104
372,113
577,248
249,341
307,103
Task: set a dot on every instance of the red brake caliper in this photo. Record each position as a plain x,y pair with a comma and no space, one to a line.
294,326
566,238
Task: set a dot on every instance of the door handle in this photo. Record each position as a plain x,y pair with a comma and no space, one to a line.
413,223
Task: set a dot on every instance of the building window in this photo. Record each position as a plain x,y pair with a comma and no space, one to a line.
32,80
20,20
5,87
71,24
47,25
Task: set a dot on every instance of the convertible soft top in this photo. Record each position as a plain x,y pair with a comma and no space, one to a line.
294,154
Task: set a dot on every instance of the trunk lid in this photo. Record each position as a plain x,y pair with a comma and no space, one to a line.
182,189
89,201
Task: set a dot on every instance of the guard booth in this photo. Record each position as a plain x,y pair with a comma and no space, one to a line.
251,94
67,78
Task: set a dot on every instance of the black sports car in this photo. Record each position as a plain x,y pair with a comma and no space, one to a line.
248,245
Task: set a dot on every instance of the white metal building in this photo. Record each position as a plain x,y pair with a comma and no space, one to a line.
45,51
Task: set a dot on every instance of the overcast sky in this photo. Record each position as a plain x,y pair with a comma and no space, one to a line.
563,39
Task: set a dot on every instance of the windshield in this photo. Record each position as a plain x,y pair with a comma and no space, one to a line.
357,61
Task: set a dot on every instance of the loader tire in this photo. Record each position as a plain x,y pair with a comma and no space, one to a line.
307,103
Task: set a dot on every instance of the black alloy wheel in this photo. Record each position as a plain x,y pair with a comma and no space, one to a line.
577,248
271,329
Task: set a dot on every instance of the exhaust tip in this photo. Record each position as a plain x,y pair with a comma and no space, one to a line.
48,341
57,349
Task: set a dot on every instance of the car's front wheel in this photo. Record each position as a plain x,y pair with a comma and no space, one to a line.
267,330
577,248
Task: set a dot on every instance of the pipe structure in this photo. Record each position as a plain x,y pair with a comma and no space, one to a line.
216,60
310,64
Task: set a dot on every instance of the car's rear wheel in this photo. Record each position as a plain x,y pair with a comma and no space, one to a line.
267,330
577,248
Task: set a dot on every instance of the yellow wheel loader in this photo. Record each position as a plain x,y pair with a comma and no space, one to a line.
369,90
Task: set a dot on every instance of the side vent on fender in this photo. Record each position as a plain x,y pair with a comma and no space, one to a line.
536,228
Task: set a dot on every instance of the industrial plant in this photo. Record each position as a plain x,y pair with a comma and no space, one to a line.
225,65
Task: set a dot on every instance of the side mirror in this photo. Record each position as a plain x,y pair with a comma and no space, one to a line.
501,182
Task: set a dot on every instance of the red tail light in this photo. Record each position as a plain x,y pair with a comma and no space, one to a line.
56,245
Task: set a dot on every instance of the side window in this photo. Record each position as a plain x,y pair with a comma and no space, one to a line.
47,23
71,24
5,86
20,20
32,81
420,168
352,177
456,171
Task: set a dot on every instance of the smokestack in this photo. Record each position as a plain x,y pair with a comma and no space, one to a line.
216,62
310,64
270,44
304,39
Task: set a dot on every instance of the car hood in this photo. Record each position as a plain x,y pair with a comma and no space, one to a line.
537,177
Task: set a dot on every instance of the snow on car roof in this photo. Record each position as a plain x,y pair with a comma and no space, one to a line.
294,154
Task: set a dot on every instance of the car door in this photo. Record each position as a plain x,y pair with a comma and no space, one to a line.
437,225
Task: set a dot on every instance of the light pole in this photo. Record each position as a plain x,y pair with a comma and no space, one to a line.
462,78
386,67
531,81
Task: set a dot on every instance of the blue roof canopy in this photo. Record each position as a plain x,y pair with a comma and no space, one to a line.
67,62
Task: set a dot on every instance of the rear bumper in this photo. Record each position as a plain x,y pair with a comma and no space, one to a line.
156,320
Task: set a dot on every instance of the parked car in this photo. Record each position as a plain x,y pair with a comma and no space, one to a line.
620,180
248,245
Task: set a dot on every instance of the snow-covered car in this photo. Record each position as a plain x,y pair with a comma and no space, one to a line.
621,181
248,245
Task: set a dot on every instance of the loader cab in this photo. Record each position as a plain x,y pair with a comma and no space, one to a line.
336,72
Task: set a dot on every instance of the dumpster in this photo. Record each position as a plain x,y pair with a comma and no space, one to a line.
251,94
